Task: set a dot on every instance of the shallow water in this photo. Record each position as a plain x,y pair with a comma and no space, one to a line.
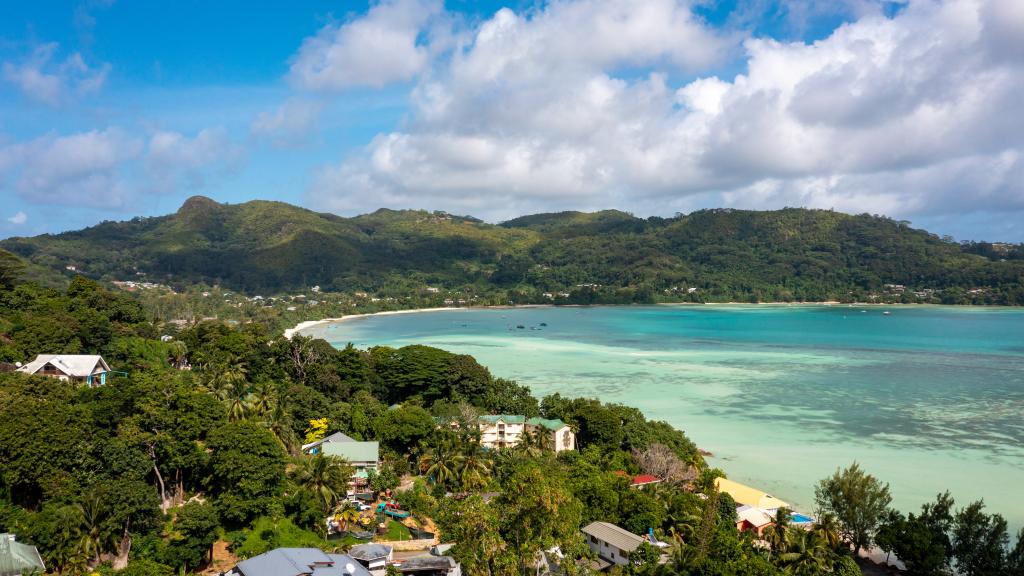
926,398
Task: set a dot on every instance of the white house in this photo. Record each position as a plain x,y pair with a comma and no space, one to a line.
611,543
91,369
507,431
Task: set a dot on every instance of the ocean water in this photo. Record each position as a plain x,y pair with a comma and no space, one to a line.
926,398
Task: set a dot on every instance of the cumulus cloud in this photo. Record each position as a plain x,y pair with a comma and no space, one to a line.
41,77
290,124
382,47
18,219
904,115
112,168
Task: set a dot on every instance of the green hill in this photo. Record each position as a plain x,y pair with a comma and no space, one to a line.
607,256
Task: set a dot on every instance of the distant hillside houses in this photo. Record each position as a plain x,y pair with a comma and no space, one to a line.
507,431
88,368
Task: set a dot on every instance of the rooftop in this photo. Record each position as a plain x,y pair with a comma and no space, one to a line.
336,437
301,562
18,558
75,365
353,451
743,494
370,552
755,516
550,424
619,537
427,564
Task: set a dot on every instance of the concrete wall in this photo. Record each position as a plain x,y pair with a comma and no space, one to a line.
409,545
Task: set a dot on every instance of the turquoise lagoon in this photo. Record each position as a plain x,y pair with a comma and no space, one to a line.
926,398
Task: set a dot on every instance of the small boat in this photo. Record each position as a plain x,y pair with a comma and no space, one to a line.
886,313
543,323
520,326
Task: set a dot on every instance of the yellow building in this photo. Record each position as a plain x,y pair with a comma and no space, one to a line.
743,494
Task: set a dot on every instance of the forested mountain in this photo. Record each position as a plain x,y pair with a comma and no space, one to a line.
608,256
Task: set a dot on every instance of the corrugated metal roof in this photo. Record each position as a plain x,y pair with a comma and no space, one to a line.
755,516
370,551
550,424
76,365
427,563
619,537
17,558
301,562
336,437
353,451
506,418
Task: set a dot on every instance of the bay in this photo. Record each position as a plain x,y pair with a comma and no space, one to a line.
927,398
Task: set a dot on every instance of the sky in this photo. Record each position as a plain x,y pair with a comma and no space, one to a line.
914,109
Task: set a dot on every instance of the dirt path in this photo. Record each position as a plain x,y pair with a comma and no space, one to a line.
223,559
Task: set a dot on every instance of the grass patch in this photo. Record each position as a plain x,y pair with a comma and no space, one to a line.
396,531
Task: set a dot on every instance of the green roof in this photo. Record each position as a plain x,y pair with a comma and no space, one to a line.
353,451
553,424
17,558
506,418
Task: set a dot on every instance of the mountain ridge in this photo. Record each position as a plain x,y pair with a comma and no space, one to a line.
269,246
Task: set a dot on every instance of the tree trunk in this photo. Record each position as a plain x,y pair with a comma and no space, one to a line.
151,451
121,560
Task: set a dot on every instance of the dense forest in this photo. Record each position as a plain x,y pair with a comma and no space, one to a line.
604,257
193,444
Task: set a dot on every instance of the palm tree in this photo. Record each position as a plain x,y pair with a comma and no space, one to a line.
827,528
439,464
96,537
179,352
777,534
278,421
264,398
238,407
473,468
807,555
533,443
326,477
347,514
67,556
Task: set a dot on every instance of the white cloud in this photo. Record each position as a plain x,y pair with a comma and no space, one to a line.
175,162
908,115
18,219
382,47
112,168
43,79
290,124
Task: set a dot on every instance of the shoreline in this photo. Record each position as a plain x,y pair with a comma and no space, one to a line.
307,324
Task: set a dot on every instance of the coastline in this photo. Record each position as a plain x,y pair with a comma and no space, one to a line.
306,324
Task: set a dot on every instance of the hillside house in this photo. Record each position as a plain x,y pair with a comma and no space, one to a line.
506,431
611,543
363,456
91,369
752,519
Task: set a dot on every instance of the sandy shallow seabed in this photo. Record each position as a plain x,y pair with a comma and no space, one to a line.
928,398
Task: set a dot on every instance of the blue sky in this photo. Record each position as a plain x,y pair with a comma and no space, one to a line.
113,109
